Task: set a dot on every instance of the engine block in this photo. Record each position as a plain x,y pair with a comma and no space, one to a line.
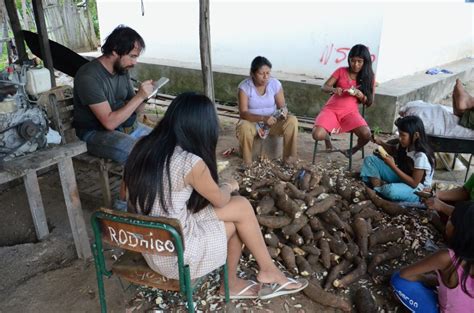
23,123
22,131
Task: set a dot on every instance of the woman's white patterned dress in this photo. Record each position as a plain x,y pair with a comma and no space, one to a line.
204,234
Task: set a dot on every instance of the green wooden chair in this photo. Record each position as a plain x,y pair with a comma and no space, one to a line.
315,150
136,234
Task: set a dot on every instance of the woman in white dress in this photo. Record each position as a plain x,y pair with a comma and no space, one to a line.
172,172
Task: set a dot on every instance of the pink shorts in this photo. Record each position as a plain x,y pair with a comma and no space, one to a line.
339,122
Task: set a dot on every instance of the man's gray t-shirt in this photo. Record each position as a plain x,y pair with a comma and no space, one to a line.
94,84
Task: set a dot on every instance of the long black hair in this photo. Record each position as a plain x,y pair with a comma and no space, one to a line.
365,78
413,124
191,123
462,240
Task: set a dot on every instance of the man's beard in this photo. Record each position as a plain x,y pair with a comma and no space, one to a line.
119,69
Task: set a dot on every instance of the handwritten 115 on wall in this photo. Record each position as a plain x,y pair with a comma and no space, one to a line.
338,54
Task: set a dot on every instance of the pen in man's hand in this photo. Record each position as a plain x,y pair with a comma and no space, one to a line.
135,80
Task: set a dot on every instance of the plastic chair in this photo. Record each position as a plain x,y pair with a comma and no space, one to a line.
315,150
136,234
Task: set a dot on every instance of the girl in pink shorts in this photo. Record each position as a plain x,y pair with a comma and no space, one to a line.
349,86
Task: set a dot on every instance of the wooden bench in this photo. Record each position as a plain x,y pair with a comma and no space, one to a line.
60,108
453,145
27,166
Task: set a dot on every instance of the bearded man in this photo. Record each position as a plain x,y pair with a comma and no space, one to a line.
105,104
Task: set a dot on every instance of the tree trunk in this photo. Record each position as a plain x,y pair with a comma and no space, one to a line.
205,48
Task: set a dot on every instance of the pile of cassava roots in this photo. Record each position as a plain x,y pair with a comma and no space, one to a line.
326,226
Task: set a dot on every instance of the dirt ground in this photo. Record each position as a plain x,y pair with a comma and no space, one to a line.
47,277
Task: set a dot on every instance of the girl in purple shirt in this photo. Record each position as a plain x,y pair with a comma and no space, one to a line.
454,268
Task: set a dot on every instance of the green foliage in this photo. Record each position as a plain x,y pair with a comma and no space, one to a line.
4,58
376,130
92,5
29,12
4,52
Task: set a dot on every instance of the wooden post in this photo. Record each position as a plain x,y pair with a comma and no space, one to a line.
44,41
74,208
16,28
205,48
36,204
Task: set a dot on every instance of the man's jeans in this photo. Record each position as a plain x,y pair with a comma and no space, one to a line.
113,145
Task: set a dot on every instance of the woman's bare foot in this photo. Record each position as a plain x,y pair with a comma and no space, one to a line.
238,285
376,182
347,153
455,96
291,161
328,143
462,101
275,276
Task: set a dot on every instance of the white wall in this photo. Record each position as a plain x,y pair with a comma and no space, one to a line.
297,37
300,37
418,36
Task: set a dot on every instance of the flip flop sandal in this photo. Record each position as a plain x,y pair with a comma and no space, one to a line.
345,153
276,290
330,150
241,294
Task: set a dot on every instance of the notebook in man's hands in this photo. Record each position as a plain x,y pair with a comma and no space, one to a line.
157,85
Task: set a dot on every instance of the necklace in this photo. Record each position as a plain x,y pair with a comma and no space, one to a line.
350,79
349,75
